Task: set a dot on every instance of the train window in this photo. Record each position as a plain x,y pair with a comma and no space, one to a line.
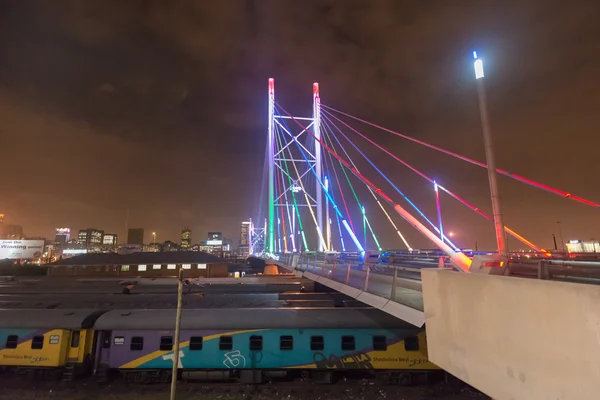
286,342
37,342
379,343
317,343
11,341
196,343
75,338
348,343
166,343
137,343
411,343
225,343
256,342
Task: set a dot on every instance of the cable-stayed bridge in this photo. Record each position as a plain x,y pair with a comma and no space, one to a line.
486,323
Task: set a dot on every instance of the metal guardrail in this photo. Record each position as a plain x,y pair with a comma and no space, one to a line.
410,267
393,282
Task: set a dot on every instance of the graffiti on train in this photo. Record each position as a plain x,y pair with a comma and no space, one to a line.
347,361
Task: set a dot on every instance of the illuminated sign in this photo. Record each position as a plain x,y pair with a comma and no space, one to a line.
215,236
296,188
74,251
63,231
214,242
17,249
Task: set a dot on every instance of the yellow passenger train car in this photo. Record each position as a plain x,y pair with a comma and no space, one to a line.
47,342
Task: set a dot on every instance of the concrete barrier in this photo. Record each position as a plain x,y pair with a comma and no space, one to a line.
515,338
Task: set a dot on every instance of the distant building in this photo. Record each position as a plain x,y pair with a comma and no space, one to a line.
135,236
186,238
90,237
11,232
583,246
244,247
245,233
109,239
62,237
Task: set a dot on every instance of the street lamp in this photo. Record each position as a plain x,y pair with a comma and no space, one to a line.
489,155
153,237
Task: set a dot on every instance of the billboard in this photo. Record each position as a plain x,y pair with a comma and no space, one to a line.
16,249
215,236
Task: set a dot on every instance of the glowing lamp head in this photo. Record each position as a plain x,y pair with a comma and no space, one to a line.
478,64
316,89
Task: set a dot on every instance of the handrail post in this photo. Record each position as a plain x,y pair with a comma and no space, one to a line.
393,294
348,274
333,269
367,277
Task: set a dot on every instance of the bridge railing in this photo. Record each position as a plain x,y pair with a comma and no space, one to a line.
393,282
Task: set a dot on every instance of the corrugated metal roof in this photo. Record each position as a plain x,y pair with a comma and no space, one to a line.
166,257
48,319
252,318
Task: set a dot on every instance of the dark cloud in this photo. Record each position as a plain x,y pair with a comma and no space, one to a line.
160,105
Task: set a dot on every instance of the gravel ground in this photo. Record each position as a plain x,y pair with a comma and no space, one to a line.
17,389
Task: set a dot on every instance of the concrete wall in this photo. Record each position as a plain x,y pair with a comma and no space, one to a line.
515,338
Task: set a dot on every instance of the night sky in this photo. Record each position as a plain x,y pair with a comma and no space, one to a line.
160,106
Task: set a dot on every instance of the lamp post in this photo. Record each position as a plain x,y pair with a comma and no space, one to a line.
489,155
562,242
153,237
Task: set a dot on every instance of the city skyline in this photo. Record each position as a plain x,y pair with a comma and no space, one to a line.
136,124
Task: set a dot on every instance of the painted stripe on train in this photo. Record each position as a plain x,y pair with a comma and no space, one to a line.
23,335
160,354
240,357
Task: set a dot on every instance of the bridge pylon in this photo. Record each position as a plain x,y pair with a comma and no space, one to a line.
286,147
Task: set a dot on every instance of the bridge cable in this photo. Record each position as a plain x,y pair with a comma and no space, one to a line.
519,178
287,171
413,205
460,260
320,182
366,223
310,209
455,196
332,189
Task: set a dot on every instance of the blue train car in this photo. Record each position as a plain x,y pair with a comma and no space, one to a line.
253,344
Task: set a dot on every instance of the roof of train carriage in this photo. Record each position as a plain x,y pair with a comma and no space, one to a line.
252,318
49,319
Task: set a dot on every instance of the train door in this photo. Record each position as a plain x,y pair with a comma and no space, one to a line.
75,346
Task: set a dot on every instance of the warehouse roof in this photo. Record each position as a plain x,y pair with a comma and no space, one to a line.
167,257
